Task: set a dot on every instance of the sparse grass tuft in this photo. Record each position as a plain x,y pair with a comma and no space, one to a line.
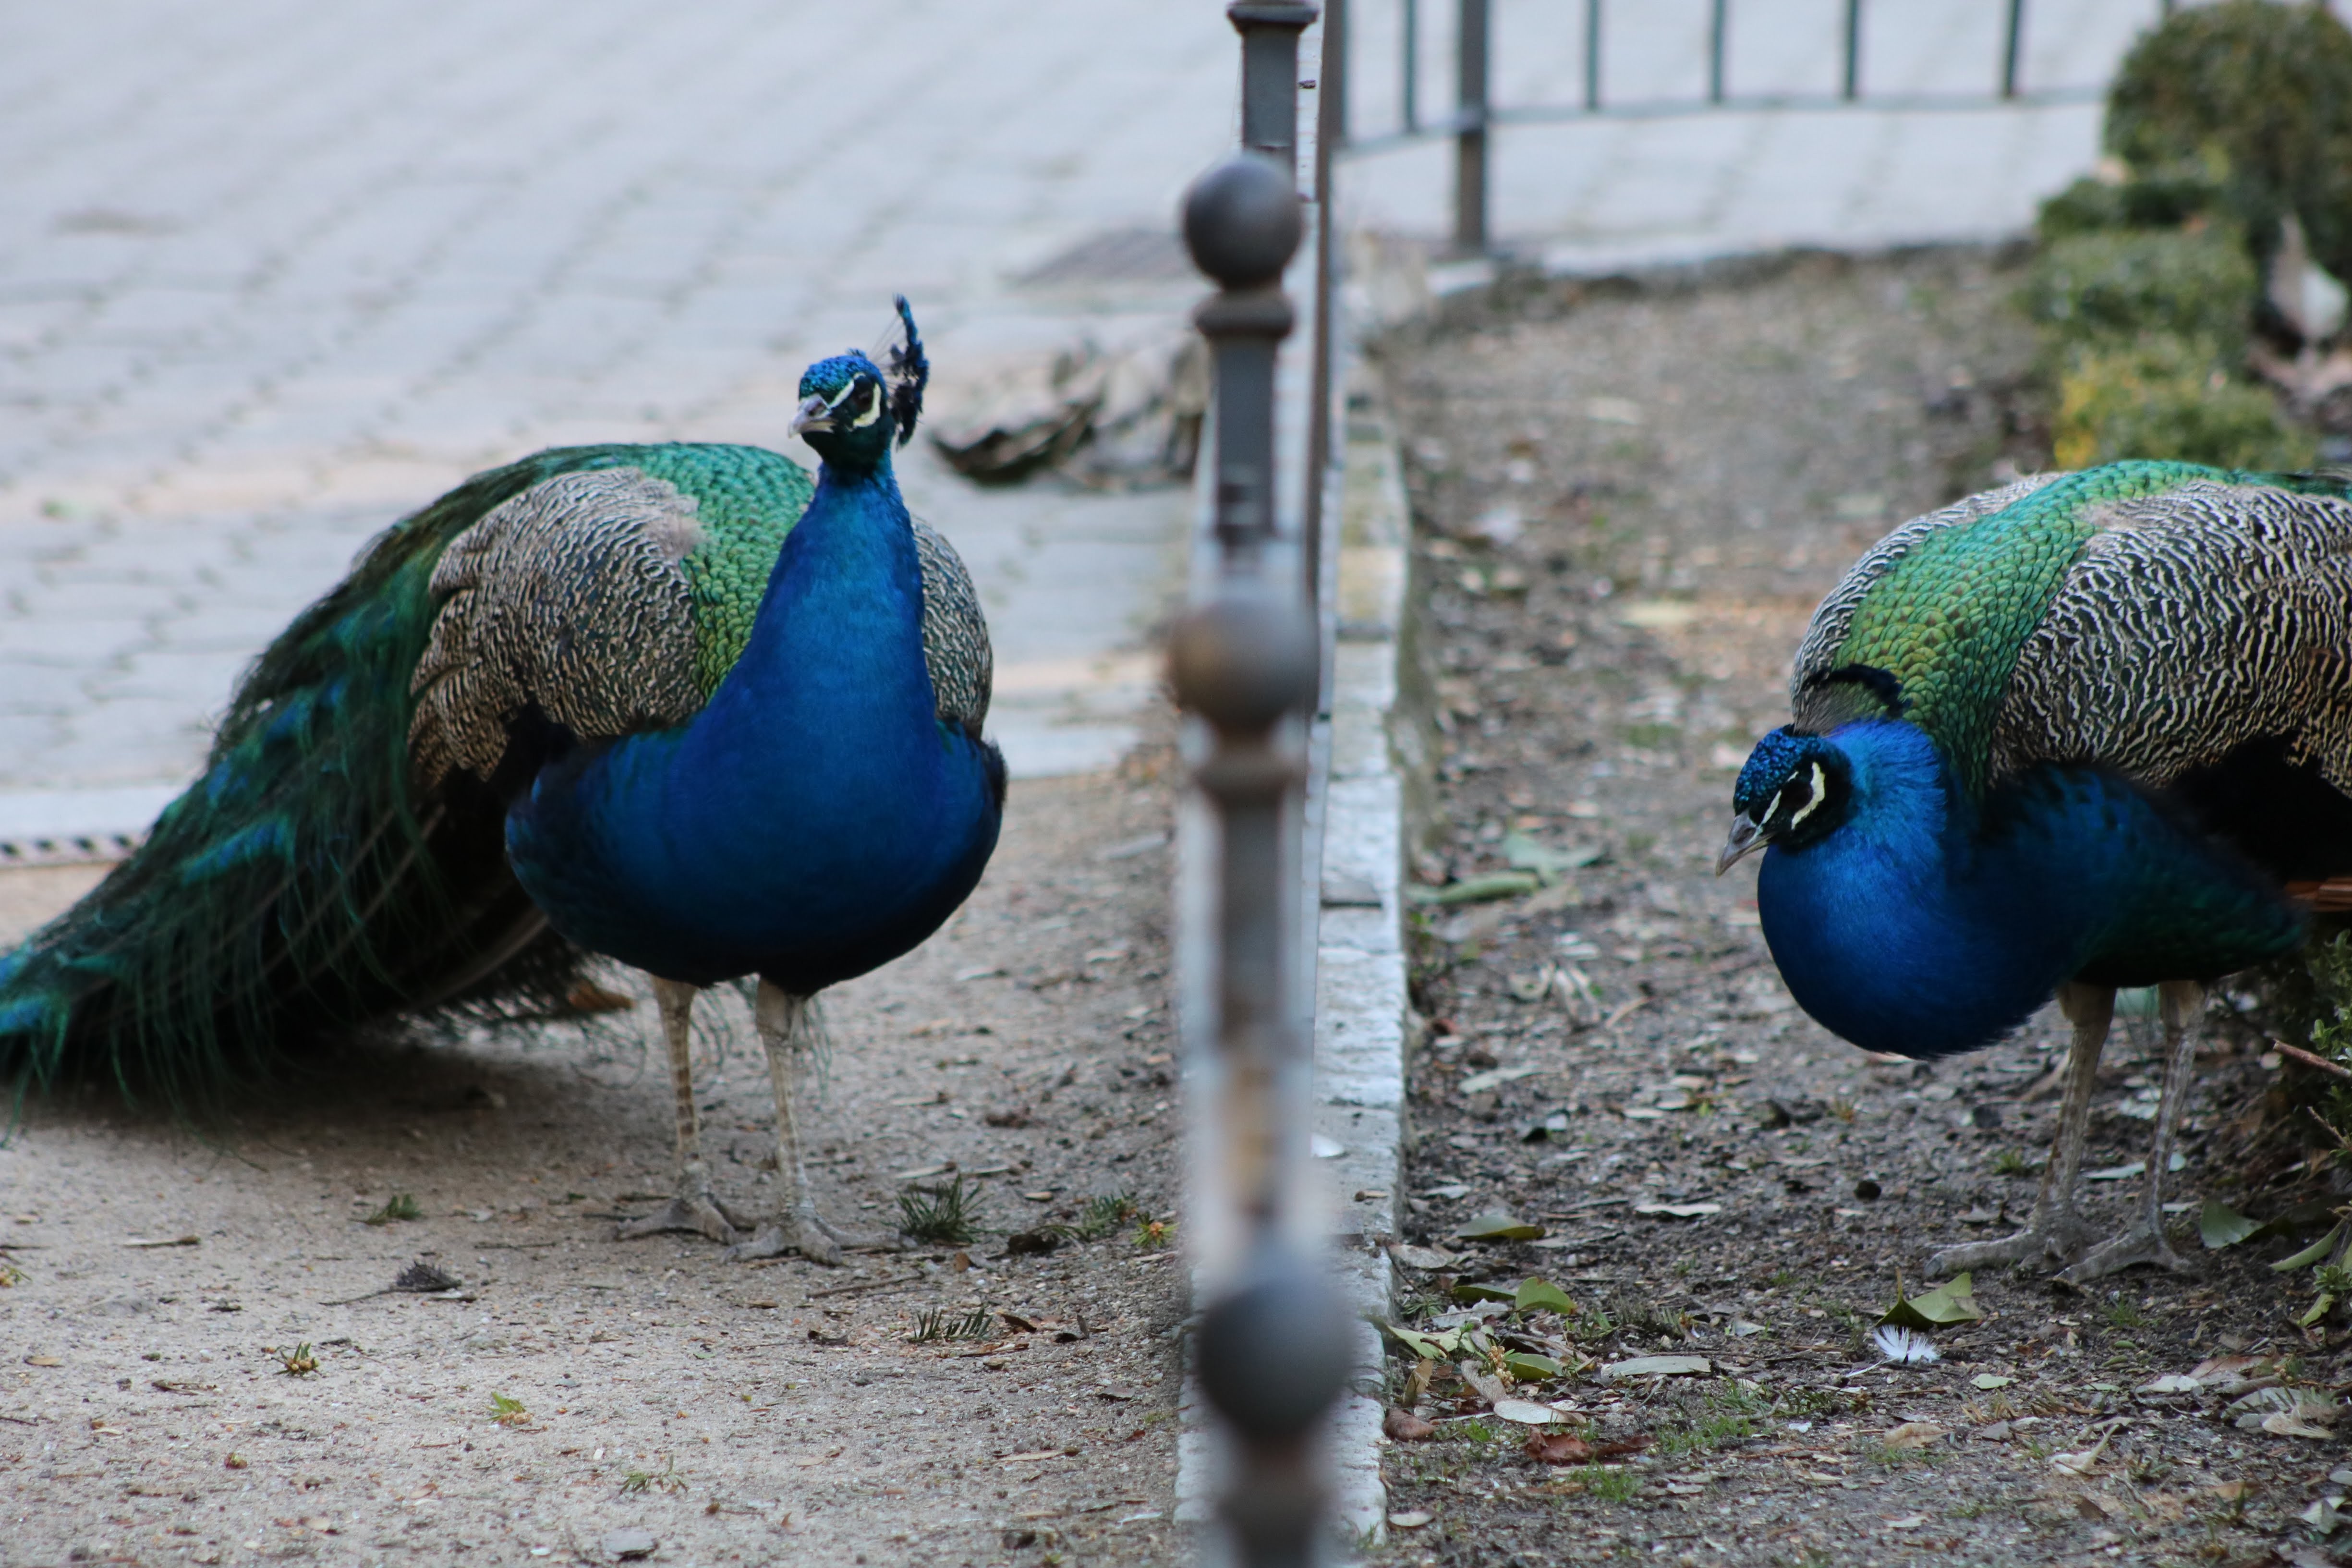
943,1217
509,1412
399,1207
2122,1313
666,1479
1609,1483
298,1361
2012,1162
1155,1233
941,1323
1103,1215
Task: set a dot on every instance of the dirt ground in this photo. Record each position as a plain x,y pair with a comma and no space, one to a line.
1628,500
575,1389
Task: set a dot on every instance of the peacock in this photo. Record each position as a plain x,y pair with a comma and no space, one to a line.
673,705
2084,732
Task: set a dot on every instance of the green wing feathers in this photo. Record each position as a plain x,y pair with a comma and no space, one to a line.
1951,604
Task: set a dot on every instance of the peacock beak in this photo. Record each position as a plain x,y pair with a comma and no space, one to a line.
1745,840
813,414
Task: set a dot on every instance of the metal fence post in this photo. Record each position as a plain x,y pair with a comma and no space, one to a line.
1849,84
1273,1348
1269,30
1470,134
2012,38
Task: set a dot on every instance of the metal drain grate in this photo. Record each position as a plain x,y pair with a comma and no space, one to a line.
67,827
1115,256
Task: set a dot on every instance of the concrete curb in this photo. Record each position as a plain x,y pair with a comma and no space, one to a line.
1361,1009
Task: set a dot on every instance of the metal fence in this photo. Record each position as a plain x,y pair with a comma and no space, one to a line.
1476,114
1273,1348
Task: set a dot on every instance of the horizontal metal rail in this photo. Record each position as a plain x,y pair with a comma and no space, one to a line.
1475,113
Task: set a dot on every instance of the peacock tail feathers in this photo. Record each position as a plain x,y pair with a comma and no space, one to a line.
2098,615
312,878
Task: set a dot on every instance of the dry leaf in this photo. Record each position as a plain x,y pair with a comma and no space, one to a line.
1915,1435
1404,1426
1411,1519
1567,1448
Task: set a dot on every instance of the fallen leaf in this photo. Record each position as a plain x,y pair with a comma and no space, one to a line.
2226,1368
1404,1426
1952,1302
1490,1389
1908,1522
2170,1383
629,1545
43,1361
1529,1367
1567,1448
1500,1228
1476,889
1913,1434
1989,1381
2309,1254
1411,1519
1428,1260
2219,1226
1657,1366
1494,1077
1526,1412
1678,1211
2284,1424
162,1241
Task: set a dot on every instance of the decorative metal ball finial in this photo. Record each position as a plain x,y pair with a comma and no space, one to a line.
1275,1353
1243,660
1242,222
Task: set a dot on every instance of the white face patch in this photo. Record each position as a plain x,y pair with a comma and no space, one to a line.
1821,785
873,408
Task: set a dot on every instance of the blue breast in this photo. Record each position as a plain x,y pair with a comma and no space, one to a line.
1924,926
815,819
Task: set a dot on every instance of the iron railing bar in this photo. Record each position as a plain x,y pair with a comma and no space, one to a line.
1593,56
1717,24
1412,83
1852,88
2012,38
1471,56
1671,109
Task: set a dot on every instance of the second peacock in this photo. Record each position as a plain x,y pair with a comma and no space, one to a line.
663,704
2086,731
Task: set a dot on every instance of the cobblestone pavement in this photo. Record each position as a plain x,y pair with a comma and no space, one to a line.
1610,193
271,275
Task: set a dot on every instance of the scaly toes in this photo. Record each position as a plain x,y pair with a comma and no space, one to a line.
790,1233
2139,1244
1973,1254
701,1212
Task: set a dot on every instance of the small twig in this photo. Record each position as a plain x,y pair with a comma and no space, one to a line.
868,1285
2322,1063
2341,1142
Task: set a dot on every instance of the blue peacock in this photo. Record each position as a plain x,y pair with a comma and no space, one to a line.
671,705
2085,732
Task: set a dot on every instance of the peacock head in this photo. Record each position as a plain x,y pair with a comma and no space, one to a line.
1794,791
851,408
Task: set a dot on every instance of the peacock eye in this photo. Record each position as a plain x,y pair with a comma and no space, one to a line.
873,408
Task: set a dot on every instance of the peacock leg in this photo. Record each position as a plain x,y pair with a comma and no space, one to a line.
2054,1230
695,1207
2178,1003
789,1029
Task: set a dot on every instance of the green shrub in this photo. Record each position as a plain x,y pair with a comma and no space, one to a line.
2168,398
2257,93
2092,206
2111,289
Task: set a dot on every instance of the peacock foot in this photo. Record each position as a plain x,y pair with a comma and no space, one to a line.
696,1208
2141,1243
810,1235
2053,1240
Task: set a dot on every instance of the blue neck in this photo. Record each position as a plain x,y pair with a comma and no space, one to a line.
1924,924
1898,931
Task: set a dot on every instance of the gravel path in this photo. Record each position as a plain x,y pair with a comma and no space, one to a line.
1629,501
731,1413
